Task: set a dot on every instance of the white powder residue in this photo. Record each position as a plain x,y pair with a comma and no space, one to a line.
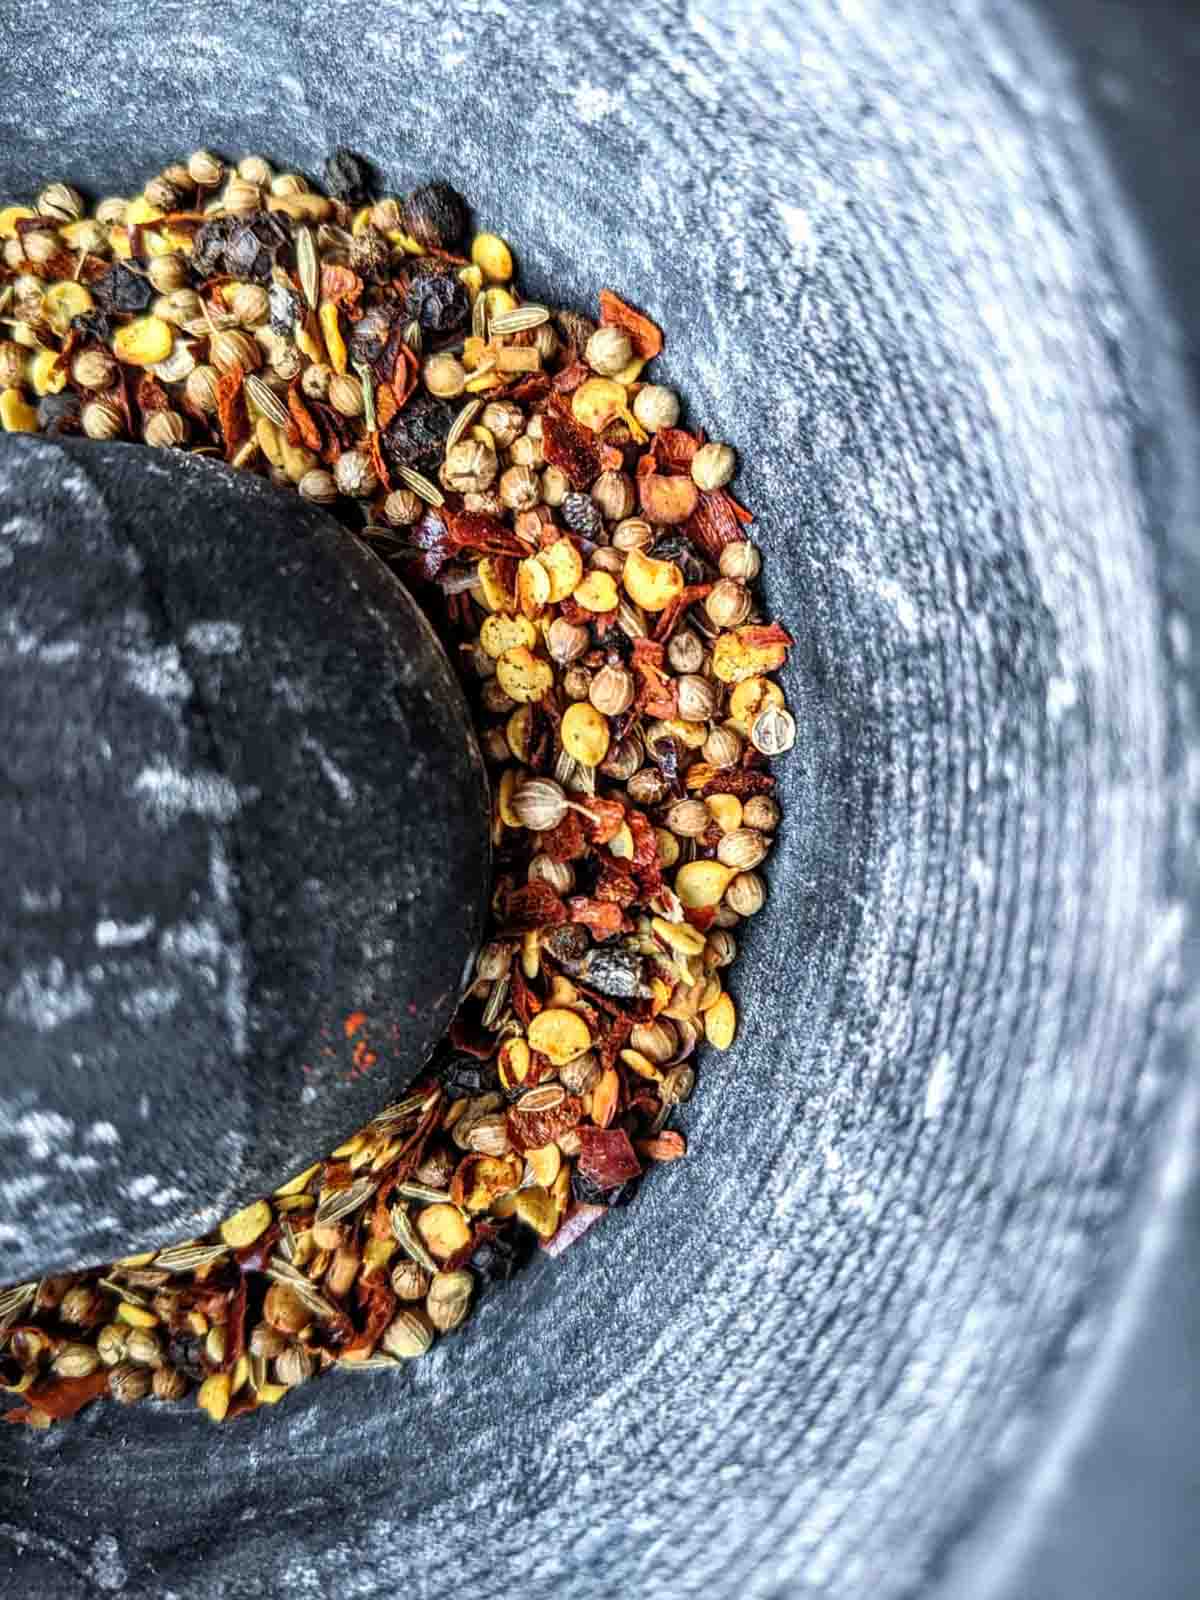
887,589
39,900
110,933
170,794
43,1131
215,638
59,651
21,530
940,1086
149,1004
45,997
102,1133
108,1570
65,1162
158,673
192,942
592,103
338,781
1061,695
141,1188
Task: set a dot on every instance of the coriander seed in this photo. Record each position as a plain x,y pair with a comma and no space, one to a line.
558,875
647,787
402,508
205,169
743,848
180,308
655,407
567,641
728,603
612,690
40,244
740,560
686,652
102,419
409,1335
61,202
143,1347
470,467
346,395
445,376
168,272
761,812
12,364
111,210
231,348
111,1342
409,1281
608,351
201,388
723,748
166,430
688,818
449,1299
633,533
168,1383
294,1367
746,894
713,466
527,451
241,196
315,381
699,698
656,1040
266,1341
504,420
520,489
284,1311
354,475
255,169
318,486
162,194
581,1075
556,486
288,183
81,1305
128,1383
76,1361
248,302
614,495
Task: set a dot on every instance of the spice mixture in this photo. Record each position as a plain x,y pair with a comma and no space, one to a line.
589,571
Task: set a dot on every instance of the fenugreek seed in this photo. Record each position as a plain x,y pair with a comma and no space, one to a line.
214,1396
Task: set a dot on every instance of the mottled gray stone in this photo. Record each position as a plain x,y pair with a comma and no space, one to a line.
894,274
241,807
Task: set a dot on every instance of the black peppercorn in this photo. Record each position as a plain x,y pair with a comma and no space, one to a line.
436,216
500,1257
439,302
416,436
122,289
582,515
186,1353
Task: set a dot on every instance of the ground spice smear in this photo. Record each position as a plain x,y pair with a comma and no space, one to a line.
590,574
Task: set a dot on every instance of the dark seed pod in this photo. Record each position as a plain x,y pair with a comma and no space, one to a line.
285,308
416,436
438,302
436,216
500,1257
371,254
122,289
576,330
58,413
347,176
582,515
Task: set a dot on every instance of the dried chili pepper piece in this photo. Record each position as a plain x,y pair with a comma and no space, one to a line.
675,448
665,1146
614,885
741,781
607,1157
571,448
60,1398
645,336
380,1305
525,1003
307,431
603,917
530,1130
231,411
574,1225
604,818
571,377
713,524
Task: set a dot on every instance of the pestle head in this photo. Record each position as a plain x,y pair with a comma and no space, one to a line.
244,850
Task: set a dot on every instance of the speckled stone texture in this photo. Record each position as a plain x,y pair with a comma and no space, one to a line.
893,273
246,845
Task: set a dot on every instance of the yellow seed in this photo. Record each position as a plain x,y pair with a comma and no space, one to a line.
155,243
735,659
533,587
631,373
691,734
307,344
246,1225
496,596
749,699
482,382
621,844
518,730
565,566
139,210
725,810
144,341
498,301
377,1254
240,1375
711,993
177,239
668,847
45,375
500,633
215,1394
538,1209
136,1316
510,780
328,316
560,1034
680,936
597,592
642,1065
720,1023
531,954
485,436
493,257
444,1230
267,435
472,276
270,1394
544,1164
361,222
562,992
64,301
301,1181
652,584
120,243
560,1190
9,218
584,733
702,883
598,402
16,414
522,676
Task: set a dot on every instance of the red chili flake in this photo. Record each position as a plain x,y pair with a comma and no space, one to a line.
530,1130
386,405
474,530
700,917
675,608
308,433
405,374
524,1002
607,1157
739,781
713,524
571,447
235,1327
646,653
377,462
61,1397
343,287
604,818
614,885
572,1228
336,429
665,1146
614,1039
602,917
467,1035
231,411
254,1257
674,448
611,459
531,389
376,1297
768,633
570,378
565,842
645,336
534,905
739,511
645,842
150,394
353,1023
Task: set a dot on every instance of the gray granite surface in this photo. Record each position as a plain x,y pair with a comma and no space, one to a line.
895,274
